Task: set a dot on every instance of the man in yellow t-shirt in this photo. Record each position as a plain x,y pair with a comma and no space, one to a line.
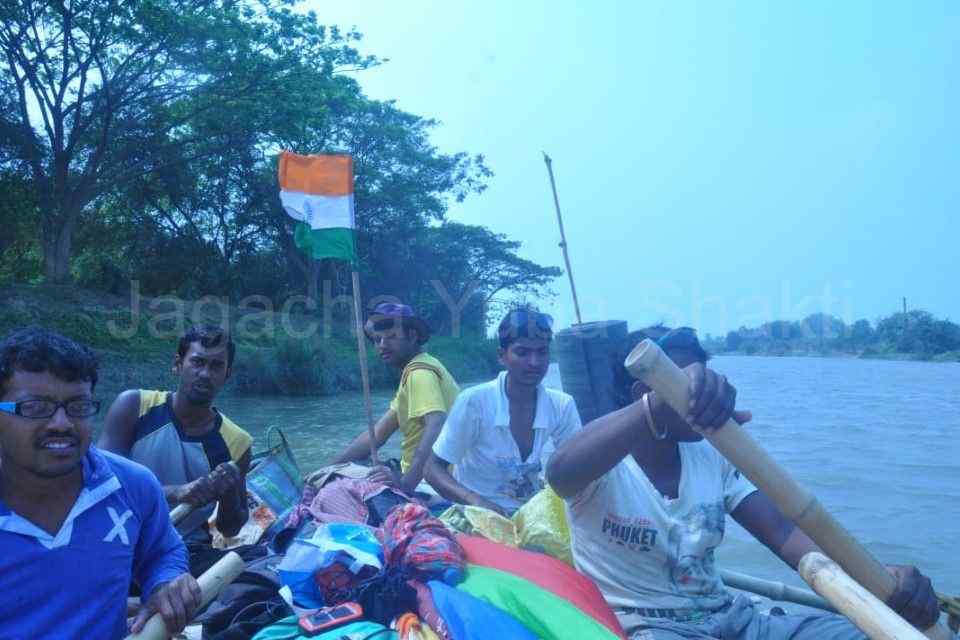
425,395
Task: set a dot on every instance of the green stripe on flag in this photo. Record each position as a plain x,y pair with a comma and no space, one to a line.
325,243
539,610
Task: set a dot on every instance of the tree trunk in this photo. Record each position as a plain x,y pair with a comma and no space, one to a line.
57,243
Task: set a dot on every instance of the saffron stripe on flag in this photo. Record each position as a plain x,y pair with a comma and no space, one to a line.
327,175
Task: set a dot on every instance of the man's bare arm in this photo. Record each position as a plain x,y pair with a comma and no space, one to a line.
359,449
120,424
447,486
232,511
594,450
758,515
432,425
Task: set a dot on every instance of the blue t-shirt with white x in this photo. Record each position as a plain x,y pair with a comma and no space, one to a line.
74,584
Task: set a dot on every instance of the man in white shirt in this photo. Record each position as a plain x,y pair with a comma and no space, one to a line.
496,431
647,501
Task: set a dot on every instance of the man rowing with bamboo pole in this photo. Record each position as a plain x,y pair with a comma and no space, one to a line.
425,395
647,501
77,525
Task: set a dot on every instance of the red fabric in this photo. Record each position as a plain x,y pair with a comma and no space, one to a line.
546,572
415,540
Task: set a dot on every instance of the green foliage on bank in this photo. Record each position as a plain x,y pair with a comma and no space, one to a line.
277,353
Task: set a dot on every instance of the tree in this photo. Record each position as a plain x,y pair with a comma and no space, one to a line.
780,330
149,132
104,92
18,219
733,341
457,265
861,334
917,331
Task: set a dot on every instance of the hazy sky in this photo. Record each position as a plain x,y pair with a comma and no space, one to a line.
718,163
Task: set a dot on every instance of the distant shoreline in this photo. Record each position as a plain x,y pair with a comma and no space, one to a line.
951,356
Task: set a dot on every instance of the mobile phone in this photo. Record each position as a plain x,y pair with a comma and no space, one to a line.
330,617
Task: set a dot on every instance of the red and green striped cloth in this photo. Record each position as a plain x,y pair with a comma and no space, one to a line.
546,595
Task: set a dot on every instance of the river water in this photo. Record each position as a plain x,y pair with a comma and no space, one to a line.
876,441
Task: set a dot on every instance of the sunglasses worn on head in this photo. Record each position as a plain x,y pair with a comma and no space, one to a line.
541,321
393,309
528,324
41,409
680,338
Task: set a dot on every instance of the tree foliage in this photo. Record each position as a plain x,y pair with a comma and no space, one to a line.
142,137
915,333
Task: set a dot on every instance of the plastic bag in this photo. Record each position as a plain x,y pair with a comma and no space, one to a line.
274,486
477,521
275,479
289,629
541,525
354,546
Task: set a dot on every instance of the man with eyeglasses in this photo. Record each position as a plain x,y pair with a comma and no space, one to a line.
77,525
496,432
425,394
647,501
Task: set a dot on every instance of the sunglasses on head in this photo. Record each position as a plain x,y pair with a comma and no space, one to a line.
541,321
679,338
531,324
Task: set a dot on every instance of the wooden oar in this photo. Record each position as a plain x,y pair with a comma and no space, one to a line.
860,606
211,582
648,363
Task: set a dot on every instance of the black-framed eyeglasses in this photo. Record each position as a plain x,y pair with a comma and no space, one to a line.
40,409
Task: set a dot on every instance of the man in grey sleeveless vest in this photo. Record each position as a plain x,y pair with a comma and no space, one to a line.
198,454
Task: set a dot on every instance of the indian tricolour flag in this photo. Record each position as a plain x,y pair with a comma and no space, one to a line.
318,192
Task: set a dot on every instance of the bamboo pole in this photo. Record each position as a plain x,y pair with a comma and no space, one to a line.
648,363
563,237
179,512
182,510
860,606
951,606
211,583
785,593
364,374
774,590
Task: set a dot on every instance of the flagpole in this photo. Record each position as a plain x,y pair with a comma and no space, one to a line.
563,237
364,375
